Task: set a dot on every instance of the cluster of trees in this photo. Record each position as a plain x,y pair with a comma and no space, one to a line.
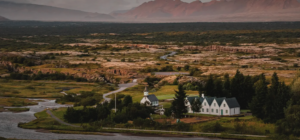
85,98
19,60
81,28
240,86
126,110
87,114
47,76
268,103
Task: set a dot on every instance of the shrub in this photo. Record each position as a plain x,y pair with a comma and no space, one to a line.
216,127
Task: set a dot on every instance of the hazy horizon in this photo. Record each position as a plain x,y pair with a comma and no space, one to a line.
99,6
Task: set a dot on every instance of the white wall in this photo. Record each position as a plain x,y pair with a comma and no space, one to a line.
226,110
206,107
215,107
144,100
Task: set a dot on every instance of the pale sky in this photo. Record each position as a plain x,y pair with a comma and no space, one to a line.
100,6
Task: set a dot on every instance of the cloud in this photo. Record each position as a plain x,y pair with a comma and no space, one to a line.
100,6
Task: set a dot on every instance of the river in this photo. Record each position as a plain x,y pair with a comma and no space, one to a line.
9,127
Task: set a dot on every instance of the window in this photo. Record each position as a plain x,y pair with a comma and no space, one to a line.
212,110
224,105
207,110
215,104
226,111
216,110
204,104
202,110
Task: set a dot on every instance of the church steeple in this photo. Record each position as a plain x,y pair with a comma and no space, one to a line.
146,92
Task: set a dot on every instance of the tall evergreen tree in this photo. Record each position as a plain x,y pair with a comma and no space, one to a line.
209,86
218,88
237,87
178,105
226,85
257,105
278,96
248,92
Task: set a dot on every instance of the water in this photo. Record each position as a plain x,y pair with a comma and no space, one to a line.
9,127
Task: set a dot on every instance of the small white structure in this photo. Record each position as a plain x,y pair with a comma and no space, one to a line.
149,100
215,106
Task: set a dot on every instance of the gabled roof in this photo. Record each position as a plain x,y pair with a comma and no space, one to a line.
220,100
192,99
152,98
232,102
210,100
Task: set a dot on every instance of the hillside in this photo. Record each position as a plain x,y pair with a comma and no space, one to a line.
3,18
267,10
21,11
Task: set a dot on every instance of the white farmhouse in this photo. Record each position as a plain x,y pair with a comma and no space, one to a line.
215,106
149,100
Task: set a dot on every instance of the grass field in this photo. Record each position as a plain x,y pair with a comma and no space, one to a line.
18,102
45,89
18,109
165,92
44,121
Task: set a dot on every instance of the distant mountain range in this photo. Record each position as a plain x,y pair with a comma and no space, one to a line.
22,11
3,19
217,10
165,11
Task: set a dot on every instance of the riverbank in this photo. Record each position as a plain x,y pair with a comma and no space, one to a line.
61,127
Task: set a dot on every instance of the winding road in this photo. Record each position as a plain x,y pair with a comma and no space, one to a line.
122,87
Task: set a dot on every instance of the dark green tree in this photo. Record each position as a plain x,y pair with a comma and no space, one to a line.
218,88
178,105
127,100
209,86
196,105
226,85
278,96
257,105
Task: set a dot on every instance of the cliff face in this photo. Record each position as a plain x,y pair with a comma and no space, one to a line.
177,8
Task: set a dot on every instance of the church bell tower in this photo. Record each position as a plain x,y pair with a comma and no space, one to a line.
146,92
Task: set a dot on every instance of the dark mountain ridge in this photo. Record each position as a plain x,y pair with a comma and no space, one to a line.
22,11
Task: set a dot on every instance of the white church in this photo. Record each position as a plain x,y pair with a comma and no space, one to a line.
214,106
149,100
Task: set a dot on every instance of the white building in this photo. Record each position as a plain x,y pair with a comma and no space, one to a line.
215,106
149,100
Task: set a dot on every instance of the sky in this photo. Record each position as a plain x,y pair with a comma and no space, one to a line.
99,6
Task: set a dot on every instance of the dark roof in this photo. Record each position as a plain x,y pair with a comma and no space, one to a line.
201,100
152,98
232,102
210,100
192,99
220,100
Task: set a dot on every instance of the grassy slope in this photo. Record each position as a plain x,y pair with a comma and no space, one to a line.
44,89
165,92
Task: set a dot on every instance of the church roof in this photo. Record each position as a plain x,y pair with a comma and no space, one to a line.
152,98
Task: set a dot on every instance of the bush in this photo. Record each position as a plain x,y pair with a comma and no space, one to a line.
214,128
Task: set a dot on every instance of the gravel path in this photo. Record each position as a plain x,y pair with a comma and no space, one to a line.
122,87
59,120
